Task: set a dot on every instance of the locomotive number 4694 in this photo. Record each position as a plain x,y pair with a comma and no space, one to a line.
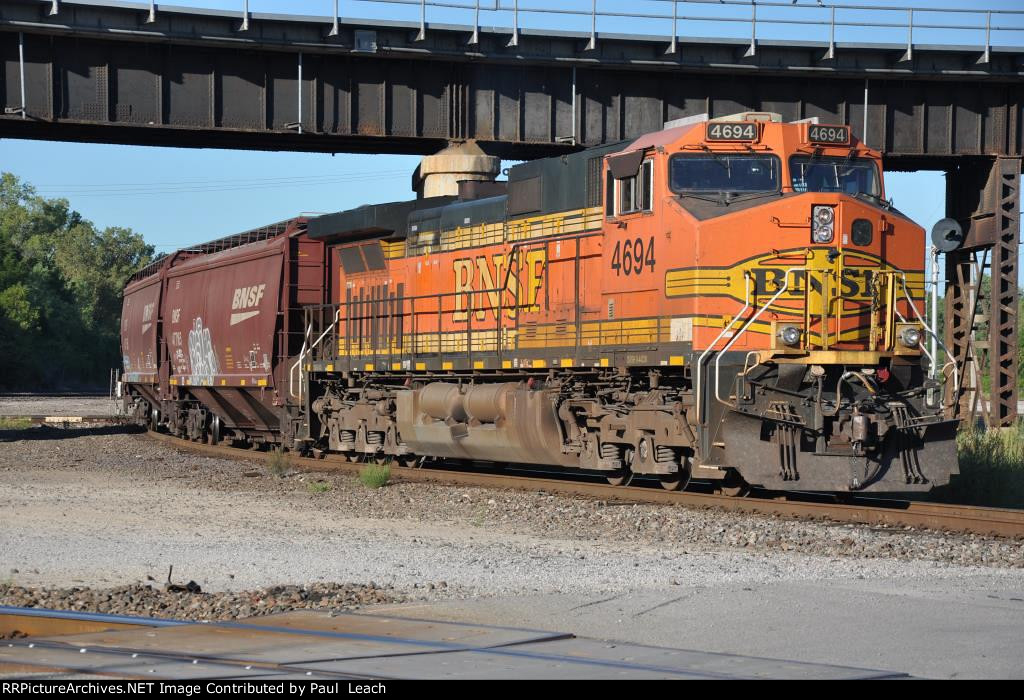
717,131
631,256
828,134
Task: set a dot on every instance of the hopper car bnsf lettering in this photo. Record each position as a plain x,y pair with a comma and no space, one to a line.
731,300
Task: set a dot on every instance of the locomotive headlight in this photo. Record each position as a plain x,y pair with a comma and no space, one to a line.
861,233
789,335
823,220
910,337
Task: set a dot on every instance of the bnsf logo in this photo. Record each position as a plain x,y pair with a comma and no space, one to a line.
247,297
815,280
855,284
483,284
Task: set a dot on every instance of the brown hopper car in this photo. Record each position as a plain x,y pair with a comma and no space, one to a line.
206,332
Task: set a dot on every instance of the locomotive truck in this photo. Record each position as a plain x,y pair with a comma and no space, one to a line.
732,300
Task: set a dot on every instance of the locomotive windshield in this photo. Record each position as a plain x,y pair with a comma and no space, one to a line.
847,175
716,172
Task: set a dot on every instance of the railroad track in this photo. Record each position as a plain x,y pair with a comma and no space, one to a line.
1000,522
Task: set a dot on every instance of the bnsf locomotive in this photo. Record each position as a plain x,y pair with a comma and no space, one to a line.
732,300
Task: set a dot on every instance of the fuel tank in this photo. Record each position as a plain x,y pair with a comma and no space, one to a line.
501,422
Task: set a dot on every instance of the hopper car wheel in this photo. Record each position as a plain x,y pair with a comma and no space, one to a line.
678,480
675,482
213,433
154,419
672,482
734,487
623,476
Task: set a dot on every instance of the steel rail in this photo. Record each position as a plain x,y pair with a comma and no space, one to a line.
999,522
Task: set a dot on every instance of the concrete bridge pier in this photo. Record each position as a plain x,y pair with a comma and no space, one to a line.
439,175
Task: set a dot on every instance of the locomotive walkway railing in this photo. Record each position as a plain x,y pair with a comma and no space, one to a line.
416,327
802,20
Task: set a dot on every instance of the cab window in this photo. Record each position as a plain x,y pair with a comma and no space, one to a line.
830,174
636,193
724,172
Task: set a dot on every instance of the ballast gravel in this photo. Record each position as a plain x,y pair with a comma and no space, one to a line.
94,509
139,600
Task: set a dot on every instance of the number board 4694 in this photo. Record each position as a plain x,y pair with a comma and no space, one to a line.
731,131
823,133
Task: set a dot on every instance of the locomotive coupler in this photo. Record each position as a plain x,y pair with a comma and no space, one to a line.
860,432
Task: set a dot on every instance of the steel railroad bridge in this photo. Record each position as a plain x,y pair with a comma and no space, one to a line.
148,74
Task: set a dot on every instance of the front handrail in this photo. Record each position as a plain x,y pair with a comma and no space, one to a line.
782,288
725,329
956,370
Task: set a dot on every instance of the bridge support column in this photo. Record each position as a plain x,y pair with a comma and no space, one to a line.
439,175
983,194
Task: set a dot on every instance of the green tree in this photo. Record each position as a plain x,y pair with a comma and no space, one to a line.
60,291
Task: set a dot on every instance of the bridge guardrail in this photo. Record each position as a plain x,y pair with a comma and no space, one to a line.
986,28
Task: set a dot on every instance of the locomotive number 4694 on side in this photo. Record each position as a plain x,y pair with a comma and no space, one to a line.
632,256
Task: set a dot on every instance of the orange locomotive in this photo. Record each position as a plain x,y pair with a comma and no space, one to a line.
729,299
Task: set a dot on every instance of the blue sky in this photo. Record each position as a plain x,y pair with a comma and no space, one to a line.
175,197
178,196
